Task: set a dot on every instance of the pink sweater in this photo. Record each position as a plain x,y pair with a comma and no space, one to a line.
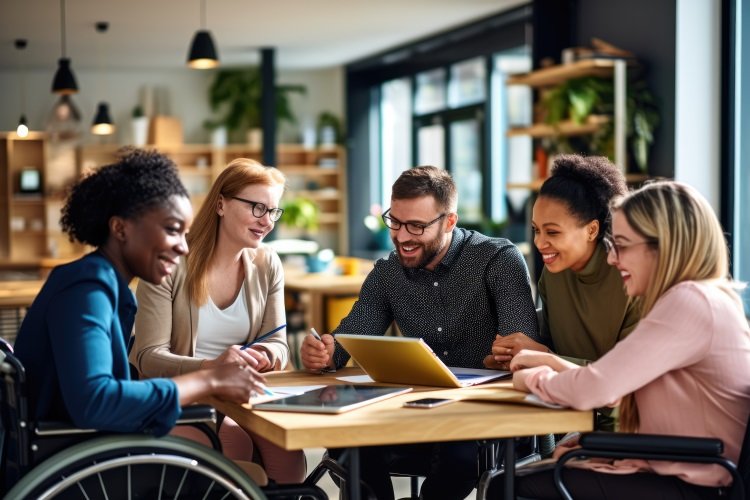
688,362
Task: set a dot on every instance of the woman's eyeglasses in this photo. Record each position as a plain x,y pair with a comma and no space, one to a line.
610,245
415,228
260,209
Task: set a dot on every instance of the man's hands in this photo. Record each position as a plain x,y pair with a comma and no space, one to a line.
317,354
504,348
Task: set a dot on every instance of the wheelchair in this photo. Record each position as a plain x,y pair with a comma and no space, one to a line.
44,460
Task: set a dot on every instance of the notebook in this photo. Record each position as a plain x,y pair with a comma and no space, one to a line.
410,361
333,398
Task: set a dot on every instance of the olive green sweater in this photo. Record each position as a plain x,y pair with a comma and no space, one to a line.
585,314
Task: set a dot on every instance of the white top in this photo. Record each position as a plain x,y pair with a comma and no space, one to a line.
221,328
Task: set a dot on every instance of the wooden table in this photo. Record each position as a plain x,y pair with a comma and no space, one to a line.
19,293
387,422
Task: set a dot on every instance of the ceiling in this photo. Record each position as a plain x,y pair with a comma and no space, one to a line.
156,33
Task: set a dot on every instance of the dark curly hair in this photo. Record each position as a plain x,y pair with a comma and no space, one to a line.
138,181
586,185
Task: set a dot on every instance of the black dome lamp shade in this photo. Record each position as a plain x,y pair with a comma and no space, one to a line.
64,82
103,124
203,53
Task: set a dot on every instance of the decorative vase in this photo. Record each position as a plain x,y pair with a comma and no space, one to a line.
139,126
255,138
219,137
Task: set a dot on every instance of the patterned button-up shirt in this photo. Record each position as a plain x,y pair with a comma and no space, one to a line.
481,288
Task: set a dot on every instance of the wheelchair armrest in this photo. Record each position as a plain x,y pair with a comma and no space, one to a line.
197,414
652,444
59,428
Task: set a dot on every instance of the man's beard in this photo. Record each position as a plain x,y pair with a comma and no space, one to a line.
430,249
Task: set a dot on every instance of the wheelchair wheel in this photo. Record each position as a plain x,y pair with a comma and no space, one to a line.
136,467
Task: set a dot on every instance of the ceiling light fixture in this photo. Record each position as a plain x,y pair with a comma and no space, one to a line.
23,128
103,124
64,82
202,53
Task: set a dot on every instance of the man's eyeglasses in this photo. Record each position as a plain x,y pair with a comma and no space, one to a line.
610,245
415,228
260,209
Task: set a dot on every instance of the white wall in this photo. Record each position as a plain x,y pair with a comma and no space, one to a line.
697,96
182,93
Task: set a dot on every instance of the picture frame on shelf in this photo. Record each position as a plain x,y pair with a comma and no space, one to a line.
30,181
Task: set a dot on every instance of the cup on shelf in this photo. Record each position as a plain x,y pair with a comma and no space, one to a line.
17,223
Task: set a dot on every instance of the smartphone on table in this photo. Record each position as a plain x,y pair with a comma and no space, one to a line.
428,402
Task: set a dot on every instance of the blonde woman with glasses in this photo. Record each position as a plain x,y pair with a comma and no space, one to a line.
682,371
227,293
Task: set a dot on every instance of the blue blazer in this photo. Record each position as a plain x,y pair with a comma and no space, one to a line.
73,345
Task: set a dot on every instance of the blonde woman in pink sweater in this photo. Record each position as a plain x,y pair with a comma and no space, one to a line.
682,371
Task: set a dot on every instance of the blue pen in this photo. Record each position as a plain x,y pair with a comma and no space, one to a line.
262,337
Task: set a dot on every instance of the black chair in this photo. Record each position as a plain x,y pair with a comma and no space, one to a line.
658,447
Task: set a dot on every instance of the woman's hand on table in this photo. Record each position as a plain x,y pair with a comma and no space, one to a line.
232,382
260,355
529,359
317,355
234,355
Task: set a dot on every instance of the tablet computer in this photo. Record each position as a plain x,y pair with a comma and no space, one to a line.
333,398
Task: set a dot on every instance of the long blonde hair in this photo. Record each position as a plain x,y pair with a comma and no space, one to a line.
202,238
689,243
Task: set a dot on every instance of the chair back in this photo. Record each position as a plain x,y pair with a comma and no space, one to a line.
743,465
15,427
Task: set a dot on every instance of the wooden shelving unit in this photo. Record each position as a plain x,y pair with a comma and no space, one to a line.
317,174
29,228
545,78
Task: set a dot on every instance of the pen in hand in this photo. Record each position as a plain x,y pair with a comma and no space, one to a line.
315,334
262,337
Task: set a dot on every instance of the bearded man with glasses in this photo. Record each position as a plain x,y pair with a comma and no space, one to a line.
457,289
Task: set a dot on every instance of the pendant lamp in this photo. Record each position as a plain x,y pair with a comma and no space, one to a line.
202,53
23,128
103,124
64,82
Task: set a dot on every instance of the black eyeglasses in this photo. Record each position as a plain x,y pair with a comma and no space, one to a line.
260,209
611,246
415,228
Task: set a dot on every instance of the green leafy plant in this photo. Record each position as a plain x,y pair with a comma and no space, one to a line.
301,213
578,98
236,94
328,119
137,112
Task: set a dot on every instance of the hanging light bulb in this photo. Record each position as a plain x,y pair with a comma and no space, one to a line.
23,128
64,82
103,124
202,53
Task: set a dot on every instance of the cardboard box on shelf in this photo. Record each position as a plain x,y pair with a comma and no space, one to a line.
165,131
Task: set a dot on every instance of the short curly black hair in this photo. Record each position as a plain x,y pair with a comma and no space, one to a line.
138,181
586,185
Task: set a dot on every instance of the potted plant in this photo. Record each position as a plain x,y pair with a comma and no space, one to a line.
329,129
302,214
236,94
578,98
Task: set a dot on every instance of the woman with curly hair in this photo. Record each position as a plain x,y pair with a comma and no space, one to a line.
227,293
584,308
73,339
